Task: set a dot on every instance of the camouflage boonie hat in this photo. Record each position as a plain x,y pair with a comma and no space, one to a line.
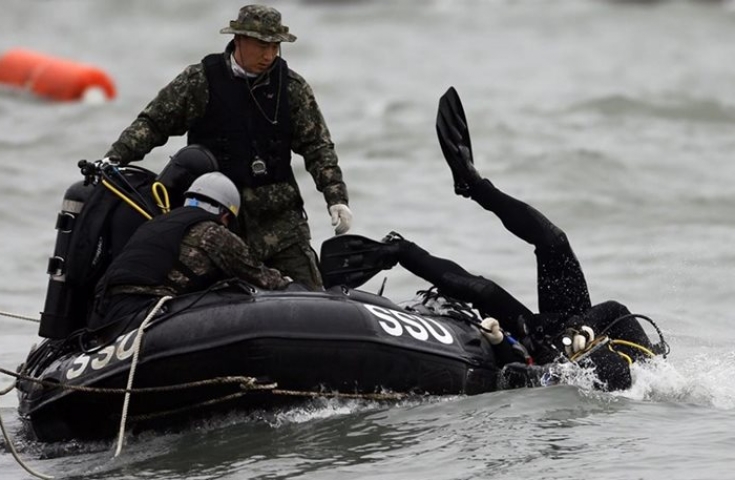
261,22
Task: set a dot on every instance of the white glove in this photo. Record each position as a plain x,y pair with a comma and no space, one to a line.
492,331
341,218
579,340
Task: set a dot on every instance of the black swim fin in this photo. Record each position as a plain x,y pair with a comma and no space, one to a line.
352,260
454,139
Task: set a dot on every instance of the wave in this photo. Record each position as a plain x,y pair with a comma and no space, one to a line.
677,108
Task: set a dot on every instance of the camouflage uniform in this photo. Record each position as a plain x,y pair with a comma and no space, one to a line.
277,232
209,249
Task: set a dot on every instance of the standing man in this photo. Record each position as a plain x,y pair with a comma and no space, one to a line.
248,108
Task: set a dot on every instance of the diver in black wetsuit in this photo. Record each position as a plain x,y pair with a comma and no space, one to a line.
564,303
566,321
563,297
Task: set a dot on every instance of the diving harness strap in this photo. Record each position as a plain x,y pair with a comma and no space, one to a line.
109,175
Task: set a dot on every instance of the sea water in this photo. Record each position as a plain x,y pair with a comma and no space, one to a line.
616,119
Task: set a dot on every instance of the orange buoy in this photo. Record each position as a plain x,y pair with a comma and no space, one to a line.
53,78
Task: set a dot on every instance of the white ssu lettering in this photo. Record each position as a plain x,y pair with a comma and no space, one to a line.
120,350
396,323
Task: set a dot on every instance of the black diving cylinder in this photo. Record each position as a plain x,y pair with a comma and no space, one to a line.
61,313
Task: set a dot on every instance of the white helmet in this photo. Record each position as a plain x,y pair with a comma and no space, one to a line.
217,188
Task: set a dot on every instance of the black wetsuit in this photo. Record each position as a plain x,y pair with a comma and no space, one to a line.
563,296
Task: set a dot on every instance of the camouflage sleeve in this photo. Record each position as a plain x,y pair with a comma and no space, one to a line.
171,113
229,253
311,140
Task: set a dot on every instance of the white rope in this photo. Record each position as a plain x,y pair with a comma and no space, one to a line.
11,447
133,365
21,317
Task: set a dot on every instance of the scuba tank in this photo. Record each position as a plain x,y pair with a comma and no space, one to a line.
98,215
91,220
63,313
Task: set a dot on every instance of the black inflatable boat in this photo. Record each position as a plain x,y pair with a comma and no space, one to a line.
235,346
339,340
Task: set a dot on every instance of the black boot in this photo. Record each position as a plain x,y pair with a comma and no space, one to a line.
393,237
463,171
393,241
454,140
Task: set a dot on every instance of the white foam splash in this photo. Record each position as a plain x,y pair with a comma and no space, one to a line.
318,409
573,374
704,380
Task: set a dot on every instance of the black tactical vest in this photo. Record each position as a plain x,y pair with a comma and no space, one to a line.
153,251
247,129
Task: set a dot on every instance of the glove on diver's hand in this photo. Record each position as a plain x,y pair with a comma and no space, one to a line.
491,330
341,218
579,340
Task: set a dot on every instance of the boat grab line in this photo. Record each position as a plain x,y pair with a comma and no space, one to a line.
11,445
20,317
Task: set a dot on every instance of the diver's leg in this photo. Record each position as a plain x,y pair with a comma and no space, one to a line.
519,218
562,287
454,281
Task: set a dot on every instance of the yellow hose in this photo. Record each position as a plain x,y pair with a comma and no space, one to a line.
162,197
626,357
633,345
614,342
125,198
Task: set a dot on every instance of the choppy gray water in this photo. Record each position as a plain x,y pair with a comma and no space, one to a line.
616,119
